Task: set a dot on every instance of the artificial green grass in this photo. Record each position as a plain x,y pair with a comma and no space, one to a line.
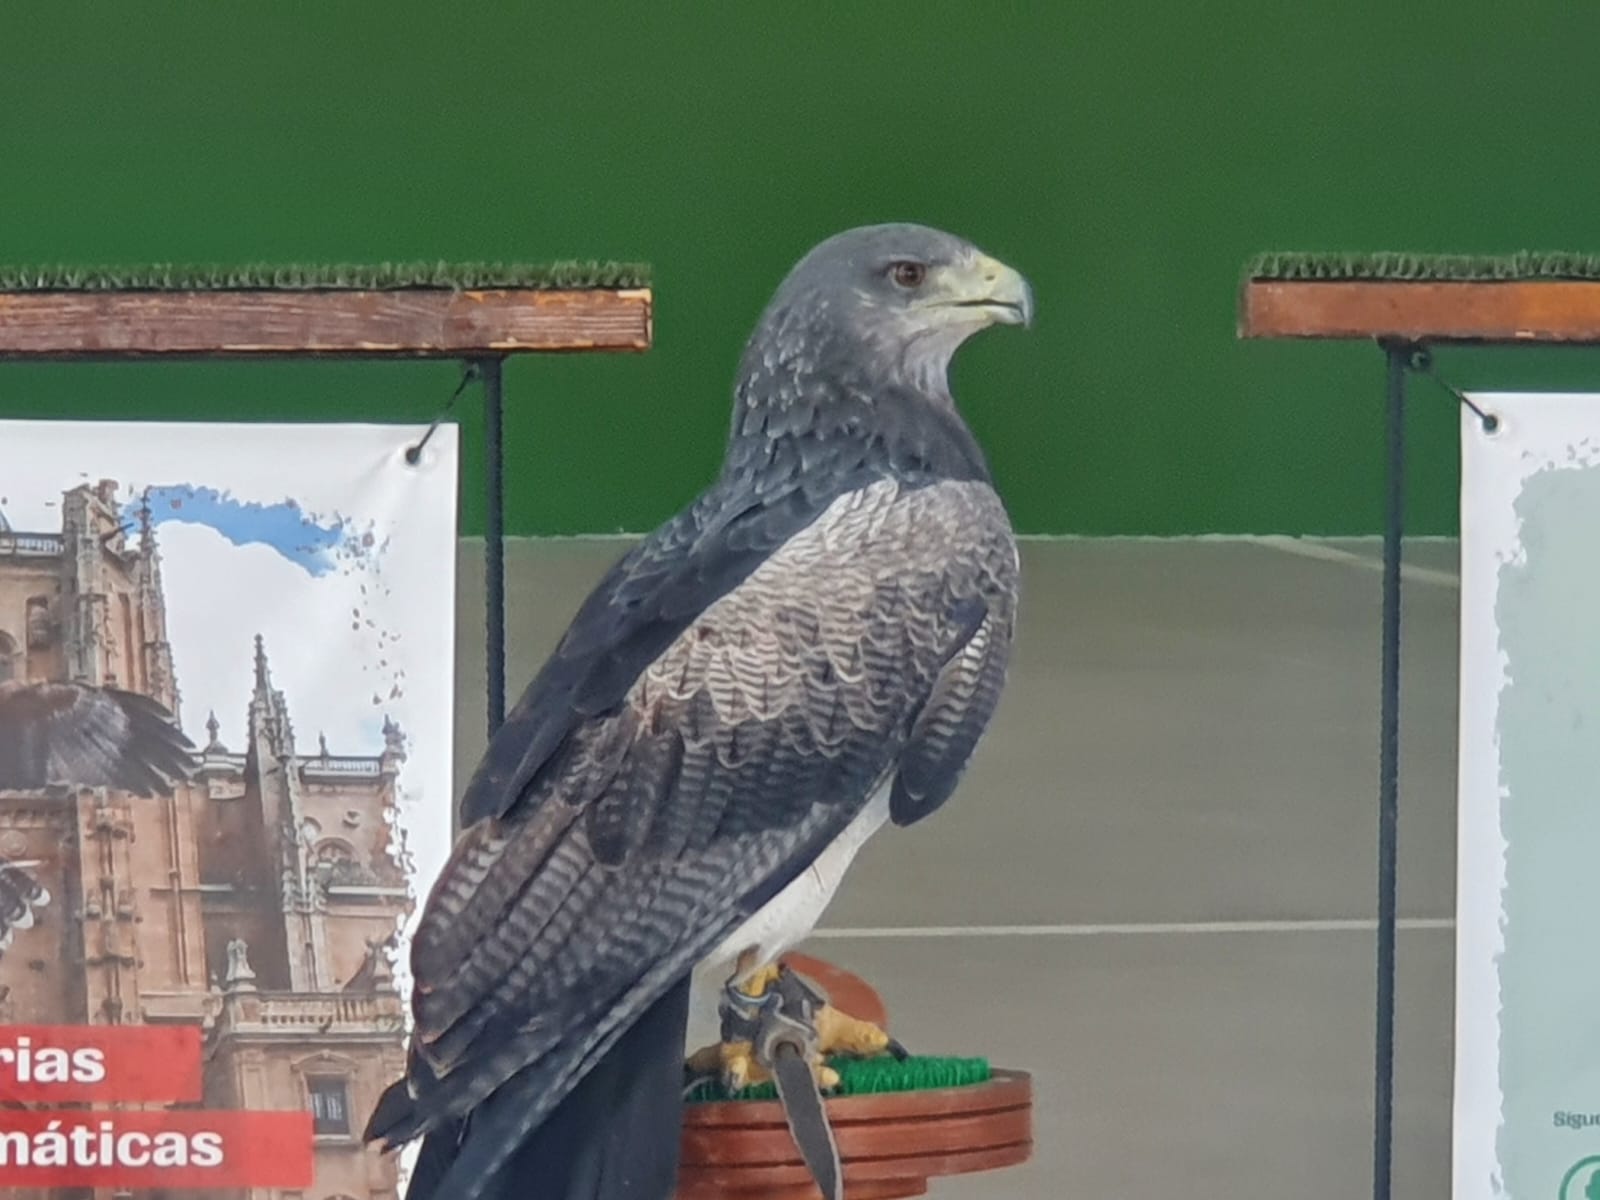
307,277
1399,267
868,1076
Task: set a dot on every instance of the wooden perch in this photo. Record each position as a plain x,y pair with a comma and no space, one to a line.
1551,311
891,1144
415,322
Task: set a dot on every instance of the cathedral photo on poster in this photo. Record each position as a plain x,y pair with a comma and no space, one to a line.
226,667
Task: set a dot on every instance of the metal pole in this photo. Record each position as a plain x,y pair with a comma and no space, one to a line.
1399,356
494,574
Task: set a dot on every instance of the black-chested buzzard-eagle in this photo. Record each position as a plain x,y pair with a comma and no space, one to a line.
811,649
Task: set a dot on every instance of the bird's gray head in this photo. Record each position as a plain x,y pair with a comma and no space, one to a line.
888,302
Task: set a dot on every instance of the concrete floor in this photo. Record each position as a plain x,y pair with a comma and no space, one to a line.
1155,889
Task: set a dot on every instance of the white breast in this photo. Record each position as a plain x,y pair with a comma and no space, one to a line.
785,920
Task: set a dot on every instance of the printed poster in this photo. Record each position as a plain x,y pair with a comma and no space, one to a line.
226,677
1527,1106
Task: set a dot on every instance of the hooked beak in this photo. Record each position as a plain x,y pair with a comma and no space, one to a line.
988,286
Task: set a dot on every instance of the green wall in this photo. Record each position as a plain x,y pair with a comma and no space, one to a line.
1128,156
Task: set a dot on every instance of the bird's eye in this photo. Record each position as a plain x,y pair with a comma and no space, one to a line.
908,274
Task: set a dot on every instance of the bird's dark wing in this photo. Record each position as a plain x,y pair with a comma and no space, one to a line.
947,730
74,735
654,826
633,614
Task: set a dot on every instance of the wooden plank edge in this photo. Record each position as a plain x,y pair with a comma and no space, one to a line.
628,293
1517,312
326,323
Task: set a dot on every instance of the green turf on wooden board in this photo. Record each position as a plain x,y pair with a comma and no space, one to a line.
868,1076
306,277
1421,268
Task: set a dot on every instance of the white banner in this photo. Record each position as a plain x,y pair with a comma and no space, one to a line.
226,696
1527,1084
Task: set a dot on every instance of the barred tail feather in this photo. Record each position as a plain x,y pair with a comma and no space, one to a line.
615,1136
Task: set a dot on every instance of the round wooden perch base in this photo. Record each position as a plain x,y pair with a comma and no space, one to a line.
890,1144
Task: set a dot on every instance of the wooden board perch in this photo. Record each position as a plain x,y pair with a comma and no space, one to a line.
1524,298
414,322
1542,311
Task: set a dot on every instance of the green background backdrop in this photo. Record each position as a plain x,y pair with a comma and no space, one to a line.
1128,156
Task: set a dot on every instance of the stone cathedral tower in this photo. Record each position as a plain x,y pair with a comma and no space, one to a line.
257,902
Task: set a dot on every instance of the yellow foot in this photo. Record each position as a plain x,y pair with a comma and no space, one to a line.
756,983
840,1033
734,1062
734,1065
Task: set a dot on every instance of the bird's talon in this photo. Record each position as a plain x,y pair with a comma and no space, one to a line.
840,1033
739,1067
704,1063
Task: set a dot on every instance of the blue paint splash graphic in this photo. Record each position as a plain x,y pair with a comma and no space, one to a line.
284,526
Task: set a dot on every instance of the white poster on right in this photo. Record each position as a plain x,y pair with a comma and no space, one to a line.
1527,1088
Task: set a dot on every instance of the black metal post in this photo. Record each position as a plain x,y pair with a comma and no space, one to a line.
1399,362
494,574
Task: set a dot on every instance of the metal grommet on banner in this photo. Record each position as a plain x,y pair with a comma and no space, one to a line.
414,453
1422,363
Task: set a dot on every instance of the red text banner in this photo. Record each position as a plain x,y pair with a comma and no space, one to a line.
100,1064
134,1150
